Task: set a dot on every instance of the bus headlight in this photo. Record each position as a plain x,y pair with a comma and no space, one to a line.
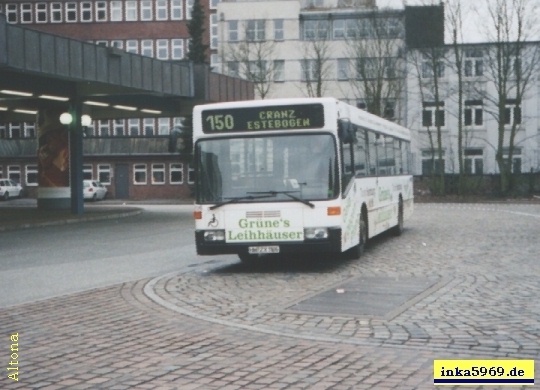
214,235
317,233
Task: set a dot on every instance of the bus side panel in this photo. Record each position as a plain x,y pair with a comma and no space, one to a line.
361,192
384,214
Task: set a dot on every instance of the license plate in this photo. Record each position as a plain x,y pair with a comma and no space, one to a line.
262,250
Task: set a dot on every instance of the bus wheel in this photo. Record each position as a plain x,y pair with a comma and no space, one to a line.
398,229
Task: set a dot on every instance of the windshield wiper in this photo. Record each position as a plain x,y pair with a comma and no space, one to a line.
288,193
238,199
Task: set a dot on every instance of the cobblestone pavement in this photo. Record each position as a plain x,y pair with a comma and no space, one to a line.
222,325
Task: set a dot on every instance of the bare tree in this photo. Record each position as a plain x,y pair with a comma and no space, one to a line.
252,59
316,66
512,64
429,63
375,45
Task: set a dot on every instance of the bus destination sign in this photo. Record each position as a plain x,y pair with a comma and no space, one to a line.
286,117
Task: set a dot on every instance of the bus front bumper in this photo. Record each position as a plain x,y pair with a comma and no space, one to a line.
332,244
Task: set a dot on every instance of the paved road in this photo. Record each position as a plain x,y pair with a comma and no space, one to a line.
55,260
216,324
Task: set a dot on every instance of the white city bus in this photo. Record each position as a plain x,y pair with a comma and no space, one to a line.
297,176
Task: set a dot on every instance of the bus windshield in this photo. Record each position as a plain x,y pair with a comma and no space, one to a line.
267,168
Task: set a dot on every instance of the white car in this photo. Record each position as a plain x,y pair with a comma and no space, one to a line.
94,190
9,189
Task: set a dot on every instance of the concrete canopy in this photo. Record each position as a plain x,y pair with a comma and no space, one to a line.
45,67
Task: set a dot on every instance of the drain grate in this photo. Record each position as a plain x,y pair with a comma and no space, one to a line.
374,297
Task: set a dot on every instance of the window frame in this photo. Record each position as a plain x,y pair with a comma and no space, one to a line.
140,168
158,168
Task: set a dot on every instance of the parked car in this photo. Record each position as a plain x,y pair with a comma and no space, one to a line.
10,189
94,190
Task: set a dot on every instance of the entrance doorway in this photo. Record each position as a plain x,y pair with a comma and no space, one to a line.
121,181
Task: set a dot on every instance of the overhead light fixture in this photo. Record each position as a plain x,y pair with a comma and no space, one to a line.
16,93
86,120
22,111
66,118
127,108
3,108
149,111
93,103
53,97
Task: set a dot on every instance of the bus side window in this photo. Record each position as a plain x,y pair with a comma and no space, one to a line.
360,154
372,153
348,163
406,154
390,158
398,156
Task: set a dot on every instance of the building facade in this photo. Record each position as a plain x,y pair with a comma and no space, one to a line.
377,59
142,164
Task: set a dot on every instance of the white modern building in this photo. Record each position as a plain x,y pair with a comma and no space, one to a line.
368,56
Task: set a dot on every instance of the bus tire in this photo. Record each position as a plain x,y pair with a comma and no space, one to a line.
398,229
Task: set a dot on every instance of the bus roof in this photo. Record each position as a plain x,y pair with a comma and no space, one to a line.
344,111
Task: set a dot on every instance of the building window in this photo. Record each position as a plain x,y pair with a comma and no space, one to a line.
162,49
279,34
176,10
162,10
279,71
163,126
512,113
473,161
191,174
258,71
116,11
119,127
176,173
148,126
71,12
233,30
473,63
26,13
473,114
41,12
147,12
189,8
177,49
118,44
433,115
158,173
14,173
15,130
134,126
101,11
132,11
87,172
132,46
56,13
86,11
343,69
255,30
233,68
214,31
104,173
31,175
103,128
12,13
516,159
147,48
315,30
139,174
429,64
431,164
310,70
